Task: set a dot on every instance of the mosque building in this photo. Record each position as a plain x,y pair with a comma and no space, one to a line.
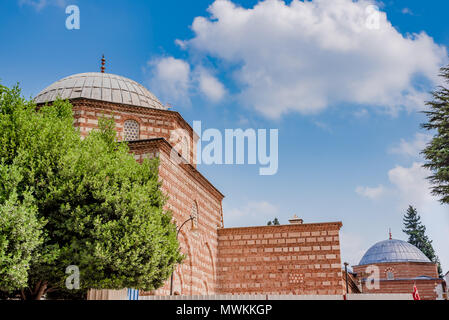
399,266
297,258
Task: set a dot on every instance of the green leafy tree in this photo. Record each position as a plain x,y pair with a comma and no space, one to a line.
416,232
20,234
90,203
275,222
437,152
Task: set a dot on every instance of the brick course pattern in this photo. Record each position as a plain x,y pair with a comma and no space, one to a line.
405,276
287,259
290,259
153,123
188,191
185,187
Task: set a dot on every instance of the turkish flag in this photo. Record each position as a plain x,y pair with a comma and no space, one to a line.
415,293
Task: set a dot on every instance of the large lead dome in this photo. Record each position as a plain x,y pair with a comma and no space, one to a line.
393,251
100,86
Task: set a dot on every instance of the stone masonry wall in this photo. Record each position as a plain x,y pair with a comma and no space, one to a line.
287,259
153,123
187,188
427,289
402,270
404,278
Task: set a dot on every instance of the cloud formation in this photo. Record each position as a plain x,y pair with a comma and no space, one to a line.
170,79
353,247
413,188
40,4
412,148
409,186
371,193
210,86
412,185
174,81
253,213
307,56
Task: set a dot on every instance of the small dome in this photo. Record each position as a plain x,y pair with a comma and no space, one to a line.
100,86
393,251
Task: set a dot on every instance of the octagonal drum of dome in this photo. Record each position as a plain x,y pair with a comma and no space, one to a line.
100,86
393,251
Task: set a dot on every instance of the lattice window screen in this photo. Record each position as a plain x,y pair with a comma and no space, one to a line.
131,130
195,214
390,275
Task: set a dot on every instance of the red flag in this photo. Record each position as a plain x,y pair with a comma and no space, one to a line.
415,293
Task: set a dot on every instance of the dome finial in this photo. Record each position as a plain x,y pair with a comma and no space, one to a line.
103,61
390,235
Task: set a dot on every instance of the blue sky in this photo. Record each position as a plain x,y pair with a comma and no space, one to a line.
345,95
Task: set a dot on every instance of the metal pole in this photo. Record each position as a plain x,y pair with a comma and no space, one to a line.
177,234
346,271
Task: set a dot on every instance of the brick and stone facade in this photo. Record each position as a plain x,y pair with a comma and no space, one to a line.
289,259
188,191
302,259
400,277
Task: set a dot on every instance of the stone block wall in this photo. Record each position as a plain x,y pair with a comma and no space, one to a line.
188,191
301,259
405,276
153,123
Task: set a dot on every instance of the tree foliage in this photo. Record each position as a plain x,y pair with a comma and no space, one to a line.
20,234
275,222
87,202
416,232
437,152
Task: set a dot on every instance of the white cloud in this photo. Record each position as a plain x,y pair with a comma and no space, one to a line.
254,213
361,113
323,126
40,4
371,193
414,189
306,56
412,184
412,148
210,86
353,247
171,79
407,11
409,186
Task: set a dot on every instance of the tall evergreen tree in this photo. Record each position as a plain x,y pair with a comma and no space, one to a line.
437,152
416,232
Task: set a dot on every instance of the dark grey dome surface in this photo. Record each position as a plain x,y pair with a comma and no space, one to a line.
393,251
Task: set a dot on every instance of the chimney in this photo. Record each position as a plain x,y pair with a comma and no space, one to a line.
295,220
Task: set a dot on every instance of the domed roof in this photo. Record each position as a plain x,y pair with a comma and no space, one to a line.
393,251
100,86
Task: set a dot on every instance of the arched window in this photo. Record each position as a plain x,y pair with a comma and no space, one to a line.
194,214
131,130
390,275
185,149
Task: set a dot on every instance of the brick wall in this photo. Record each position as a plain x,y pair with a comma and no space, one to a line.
405,274
153,123
291,259
426,288
403,270
288,259
183,184
186,187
